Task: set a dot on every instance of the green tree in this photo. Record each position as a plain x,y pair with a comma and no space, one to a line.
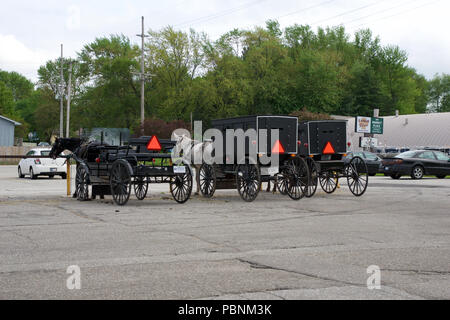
439,93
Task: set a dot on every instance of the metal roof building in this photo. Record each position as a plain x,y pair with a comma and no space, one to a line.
7,131
413,131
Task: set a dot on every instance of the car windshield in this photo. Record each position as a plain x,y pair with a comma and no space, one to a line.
371,156
408,154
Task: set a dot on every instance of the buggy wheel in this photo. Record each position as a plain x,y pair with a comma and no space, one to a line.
82,183
120,181
313,178
181,186
248,181
207,178
297,178
328,181
282,184
357,176
140,187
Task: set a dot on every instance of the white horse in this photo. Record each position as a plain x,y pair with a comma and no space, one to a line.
193,152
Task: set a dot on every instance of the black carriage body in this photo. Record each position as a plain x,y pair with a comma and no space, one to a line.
143,162
287,126
314,136
110,168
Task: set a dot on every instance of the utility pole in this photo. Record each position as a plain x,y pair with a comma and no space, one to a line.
69,92
61,98
142,76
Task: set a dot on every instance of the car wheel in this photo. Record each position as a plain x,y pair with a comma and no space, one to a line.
441,177
64,176
395,176
417,173
372,174
21,175
32,175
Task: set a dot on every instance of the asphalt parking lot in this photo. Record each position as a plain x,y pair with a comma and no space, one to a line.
224,248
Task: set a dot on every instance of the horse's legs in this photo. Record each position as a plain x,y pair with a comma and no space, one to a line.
197,179
268,186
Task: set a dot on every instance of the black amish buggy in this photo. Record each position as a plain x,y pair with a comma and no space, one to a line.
114,170
248,172
324,145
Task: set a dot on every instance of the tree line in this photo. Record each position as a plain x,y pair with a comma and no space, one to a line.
259,71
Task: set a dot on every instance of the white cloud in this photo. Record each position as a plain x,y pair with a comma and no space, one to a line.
74,20
15,56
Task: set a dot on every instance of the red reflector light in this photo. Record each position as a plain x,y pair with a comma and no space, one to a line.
97,160
328,149
154,144
278,147
37,161
349,144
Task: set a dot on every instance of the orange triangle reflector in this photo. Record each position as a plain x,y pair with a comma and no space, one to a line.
278,147
328,149
154,144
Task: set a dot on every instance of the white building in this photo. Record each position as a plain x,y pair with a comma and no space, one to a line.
7,131
415,131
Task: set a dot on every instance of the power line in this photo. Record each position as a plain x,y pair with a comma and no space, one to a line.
348,12
400,13
305,9
218,14
381,11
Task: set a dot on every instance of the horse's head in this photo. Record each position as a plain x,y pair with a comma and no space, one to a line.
62,144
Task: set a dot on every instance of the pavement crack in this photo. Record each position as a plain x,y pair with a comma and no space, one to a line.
257,265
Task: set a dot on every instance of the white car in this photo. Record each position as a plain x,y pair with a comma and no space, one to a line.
35,167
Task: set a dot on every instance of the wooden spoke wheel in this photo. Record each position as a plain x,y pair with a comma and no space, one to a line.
357,176
329,181
282,183
313,179
207,176
82,183
120,181
140,187
248,181
297,176
181,186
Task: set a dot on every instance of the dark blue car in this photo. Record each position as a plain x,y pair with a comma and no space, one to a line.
417,164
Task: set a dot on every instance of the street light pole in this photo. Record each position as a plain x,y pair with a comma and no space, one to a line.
69,92
142,76
61,98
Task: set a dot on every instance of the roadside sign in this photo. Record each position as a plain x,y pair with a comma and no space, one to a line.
363,124
377,126
369,125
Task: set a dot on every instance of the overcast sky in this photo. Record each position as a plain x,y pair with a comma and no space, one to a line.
31,31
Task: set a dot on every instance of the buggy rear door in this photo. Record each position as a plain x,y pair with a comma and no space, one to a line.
323,132
288,132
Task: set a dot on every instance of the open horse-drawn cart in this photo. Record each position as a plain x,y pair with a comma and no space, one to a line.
247,173
115,170
324,145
